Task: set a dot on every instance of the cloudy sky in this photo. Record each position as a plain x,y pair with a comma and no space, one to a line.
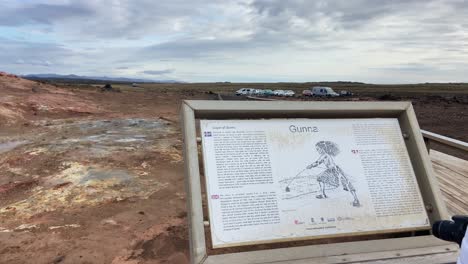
399,41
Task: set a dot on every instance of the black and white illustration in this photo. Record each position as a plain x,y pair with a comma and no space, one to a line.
291,178
329,177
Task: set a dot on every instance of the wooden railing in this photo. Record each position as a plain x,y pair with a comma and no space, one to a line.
446,141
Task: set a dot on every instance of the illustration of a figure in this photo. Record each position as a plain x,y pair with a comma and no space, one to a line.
333,174
331,177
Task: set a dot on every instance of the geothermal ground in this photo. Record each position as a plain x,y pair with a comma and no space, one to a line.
97,177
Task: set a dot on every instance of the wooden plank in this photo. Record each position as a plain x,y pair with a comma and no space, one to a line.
452,177
453,190
422,166
416,255
193,187
459,173
445,258
460,207
451,162
441,258
249,109
452,174
448,163
391,257
456,198
359,251
310,238
449,187
207,105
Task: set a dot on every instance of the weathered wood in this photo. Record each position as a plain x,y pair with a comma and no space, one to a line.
420,255
427,141
342,252
445,140
442,258
249,109
452,173
208,105
309,238
193,187
242,109
422,166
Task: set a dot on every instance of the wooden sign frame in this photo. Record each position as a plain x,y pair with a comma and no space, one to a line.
361,250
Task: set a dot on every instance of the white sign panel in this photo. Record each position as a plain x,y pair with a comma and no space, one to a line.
279,179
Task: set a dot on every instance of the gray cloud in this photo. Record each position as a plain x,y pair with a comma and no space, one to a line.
409,67
158,72
235,37
343,14
32,53
45,63
193,48
42,13
90,19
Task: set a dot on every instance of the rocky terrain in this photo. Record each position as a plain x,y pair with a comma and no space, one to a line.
97,177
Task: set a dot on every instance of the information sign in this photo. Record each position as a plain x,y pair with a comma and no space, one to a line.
274,180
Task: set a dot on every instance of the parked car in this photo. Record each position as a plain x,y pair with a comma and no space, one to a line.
244,91
346,93
278,92
258,92
323,91
307,93
289,93
267,92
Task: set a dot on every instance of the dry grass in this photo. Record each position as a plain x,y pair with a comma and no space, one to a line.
407,89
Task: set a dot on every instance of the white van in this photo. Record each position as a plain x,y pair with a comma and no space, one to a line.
245,91
323,91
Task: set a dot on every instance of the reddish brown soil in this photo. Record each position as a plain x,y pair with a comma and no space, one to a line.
130,230
58,129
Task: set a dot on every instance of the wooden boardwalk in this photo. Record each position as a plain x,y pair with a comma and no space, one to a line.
452,174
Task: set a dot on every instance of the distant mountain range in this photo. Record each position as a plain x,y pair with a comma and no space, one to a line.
49,76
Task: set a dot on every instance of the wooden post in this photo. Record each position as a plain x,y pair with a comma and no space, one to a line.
427,141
